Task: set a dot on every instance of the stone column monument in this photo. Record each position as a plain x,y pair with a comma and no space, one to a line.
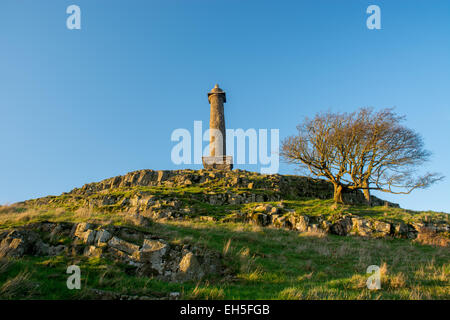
217,140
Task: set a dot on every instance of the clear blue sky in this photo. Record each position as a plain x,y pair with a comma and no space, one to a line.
83,105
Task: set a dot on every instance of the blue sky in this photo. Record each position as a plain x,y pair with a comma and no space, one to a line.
78,106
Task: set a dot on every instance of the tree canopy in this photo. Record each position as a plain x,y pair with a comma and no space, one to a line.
364,150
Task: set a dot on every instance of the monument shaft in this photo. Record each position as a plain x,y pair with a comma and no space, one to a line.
217,122
217,138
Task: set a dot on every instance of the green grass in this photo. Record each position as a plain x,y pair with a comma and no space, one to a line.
266,263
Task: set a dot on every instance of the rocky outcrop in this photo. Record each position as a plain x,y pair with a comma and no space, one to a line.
279,186
148,195
346,224
148,254
16,243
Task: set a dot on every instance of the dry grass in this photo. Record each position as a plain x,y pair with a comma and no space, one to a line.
226,247
418,293
358,281
256,274
249,269
4,265
305,276
59,211
206,293
19,286
315,293
396,281
7,217
7,208
383,269
315,233
292,293
83,213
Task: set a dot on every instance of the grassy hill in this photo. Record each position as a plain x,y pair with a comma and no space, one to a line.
269,237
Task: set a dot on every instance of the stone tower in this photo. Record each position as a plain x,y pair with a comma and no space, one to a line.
217,140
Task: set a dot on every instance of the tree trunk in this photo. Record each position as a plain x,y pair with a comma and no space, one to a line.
338,194
366,192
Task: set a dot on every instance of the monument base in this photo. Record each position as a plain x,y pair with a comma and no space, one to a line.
218,163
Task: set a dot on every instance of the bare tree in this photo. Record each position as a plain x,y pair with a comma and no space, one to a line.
362,150
387,155
319,148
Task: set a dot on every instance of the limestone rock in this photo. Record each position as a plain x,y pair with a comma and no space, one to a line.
89,237
382,228
361,227
401,229
81,228
189,268
300,223
261,219
12,247
341,227
56,250
17,243
93,251
151,255
122,245
102,237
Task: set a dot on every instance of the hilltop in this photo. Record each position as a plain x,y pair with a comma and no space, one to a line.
219,234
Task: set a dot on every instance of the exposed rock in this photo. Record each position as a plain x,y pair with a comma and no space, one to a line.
122,245
382,228
102,237
361,227
139,220
261,219
325,226
341,227
12,247
84,233
56,250
93,251
285,186
81,228
58,231
400,229
189,268
314,228
151,255
299,223
89,237
17,243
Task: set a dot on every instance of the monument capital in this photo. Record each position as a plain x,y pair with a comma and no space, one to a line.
217,91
